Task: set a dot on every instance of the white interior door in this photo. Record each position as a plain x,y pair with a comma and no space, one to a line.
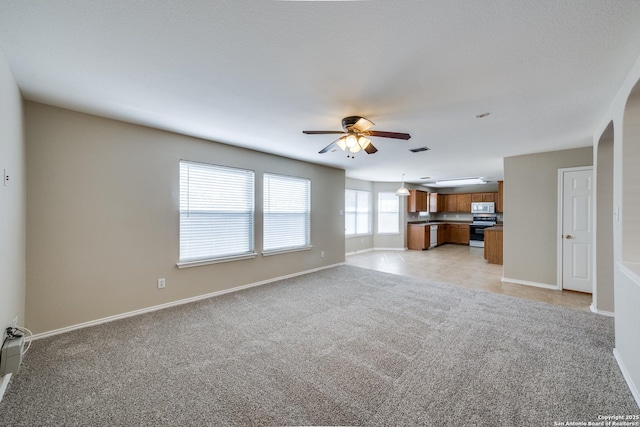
577,230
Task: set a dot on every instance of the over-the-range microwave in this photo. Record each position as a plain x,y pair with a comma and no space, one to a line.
483,207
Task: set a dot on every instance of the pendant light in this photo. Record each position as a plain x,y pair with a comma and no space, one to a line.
402,191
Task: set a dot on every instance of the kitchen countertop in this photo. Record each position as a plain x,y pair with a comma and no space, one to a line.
438,222
497,227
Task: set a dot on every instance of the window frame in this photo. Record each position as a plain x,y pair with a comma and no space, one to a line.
396,212
357,211
307,214
249,231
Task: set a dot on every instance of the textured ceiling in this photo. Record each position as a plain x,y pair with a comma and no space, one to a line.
257,73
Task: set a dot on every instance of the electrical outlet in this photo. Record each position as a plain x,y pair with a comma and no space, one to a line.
161,283
5,177
15,322
322,254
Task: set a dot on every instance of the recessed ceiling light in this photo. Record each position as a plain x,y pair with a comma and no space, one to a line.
480,116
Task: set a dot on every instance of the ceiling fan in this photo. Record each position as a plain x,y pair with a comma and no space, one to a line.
355,131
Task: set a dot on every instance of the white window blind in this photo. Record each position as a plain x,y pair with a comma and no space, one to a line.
357,212
388,213
287,212
216,212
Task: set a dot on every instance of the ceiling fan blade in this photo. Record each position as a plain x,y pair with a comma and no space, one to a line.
362,124
370,149
396,135
328,147
321,132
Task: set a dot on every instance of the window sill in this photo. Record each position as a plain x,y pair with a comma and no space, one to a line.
200,262
286,251
389,234
355,236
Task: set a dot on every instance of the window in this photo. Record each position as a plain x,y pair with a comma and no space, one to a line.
287,212
357,212
388,213
216,213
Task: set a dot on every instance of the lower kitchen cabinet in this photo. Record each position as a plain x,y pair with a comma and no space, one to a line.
418,236
458,234
442,234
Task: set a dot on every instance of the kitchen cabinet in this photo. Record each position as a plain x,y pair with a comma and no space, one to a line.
418,236
464,234
436,202
484,197
464,203
418,201
489,197
493,245
450,203
458,234
500,201
442,234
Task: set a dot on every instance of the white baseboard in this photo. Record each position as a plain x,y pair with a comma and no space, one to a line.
602,312
358,252
173,303
4,382
374,249
528,283
627,377
390,249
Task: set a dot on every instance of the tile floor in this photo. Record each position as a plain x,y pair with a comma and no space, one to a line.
462,266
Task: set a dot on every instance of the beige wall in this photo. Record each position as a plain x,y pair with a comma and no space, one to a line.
631,178
531,213
625,112
12,200
603,291
103,220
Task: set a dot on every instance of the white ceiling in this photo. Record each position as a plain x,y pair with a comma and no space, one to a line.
257,73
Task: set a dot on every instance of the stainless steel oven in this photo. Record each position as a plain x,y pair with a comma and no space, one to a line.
476,229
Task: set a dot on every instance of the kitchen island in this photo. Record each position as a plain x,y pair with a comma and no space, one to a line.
493,244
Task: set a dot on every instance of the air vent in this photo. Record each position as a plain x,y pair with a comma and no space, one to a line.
417,150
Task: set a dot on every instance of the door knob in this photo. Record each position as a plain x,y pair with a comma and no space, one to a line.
568,236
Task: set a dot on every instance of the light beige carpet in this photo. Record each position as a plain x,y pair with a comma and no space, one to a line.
345,346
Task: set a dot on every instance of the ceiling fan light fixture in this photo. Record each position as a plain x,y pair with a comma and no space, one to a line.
402,191
351,140
355,148
341,143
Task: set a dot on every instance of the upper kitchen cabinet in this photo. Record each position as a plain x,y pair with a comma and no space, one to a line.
450,203
418,201
489,197
436,202
459,202
464,203
483,197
